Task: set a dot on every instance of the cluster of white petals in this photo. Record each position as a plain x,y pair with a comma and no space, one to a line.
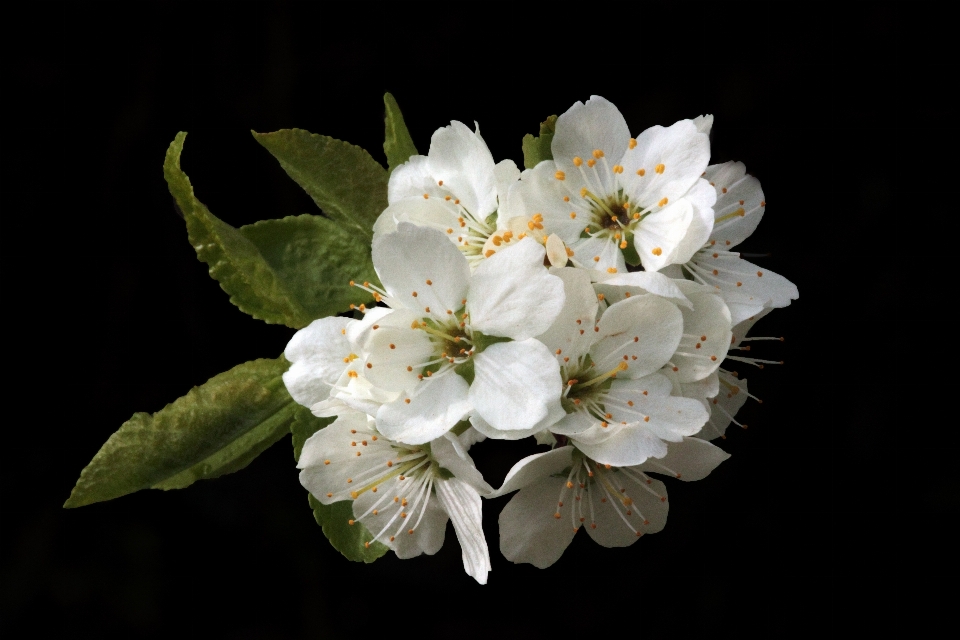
589,302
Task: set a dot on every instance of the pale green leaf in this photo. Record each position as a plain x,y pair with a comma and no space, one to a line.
345,181
397,143
537,149
350,540
216,428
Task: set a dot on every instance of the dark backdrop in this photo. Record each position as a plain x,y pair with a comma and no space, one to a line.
116,315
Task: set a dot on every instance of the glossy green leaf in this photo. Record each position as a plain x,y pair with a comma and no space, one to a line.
216,428
536,149
350,540
345,181
397,143
290,271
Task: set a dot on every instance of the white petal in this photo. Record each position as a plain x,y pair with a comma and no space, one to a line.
410,179
513,295
408,259
709,323
740,203
615,287
724,406
556,251
463,505
316,353
690,459
533,468
683,153
539,191
426,538
579,311
701,197
397,353
598,253
704,123
583,128
646,327
742,305
450,454
436,404
658,236
529,532
611,530
554,414
505,174
515,384
746,278
460,158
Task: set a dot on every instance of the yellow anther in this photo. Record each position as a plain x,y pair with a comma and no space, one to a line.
352,374
566,198
663,201
489,253
659,168
449,230
657,251
560,175
623,245
633,143
611,269
577,161
569,252
447,198
426,196
617,168
641,172
440,183
583,192
591,162
597,153
573,214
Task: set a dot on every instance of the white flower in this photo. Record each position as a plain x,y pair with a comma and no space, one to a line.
403,494
619,409
563,489
454,189
605,194
746,287
457,341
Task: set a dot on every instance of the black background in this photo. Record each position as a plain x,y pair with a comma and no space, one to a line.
116,315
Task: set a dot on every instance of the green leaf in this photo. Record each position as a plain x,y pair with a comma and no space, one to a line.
314,259
344,180
290,271
333,519
397,143
216,428
537,149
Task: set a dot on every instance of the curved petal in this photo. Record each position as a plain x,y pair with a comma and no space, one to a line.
460,158
709,325
584,128
529,532
412,257
740,203
701,197
435,405
658,236
745,278
397,353
620,286
599,253
614,528
515,384
539,192
688,460
450,454
463,505
579,311
641,331
672,159
533,468
316,354
507,286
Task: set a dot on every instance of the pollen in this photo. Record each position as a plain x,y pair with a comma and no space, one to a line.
393,346
489,253
457,201
449,231
597,153
569,252
723,190
633,143
641,172
389,463
440,183
763,203
329,495
557,515
448,198
326,462
426,196
617,168
591,162
713,358
414,294
407,401
663,201
611,270
583,192
566,198
560,175
740,212
352,374
659,168
577,161
629,403
596,258
600,297
573,214
657,251
646,418
623,245
739,284
759,274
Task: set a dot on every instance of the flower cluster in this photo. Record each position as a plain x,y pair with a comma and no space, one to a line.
588,302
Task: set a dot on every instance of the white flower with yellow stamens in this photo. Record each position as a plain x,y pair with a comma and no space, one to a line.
613,199
619,410
403,494
455,341
746,287
563,489
455,189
